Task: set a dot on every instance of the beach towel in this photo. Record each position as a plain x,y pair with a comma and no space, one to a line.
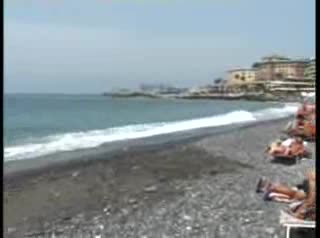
287,142
287,219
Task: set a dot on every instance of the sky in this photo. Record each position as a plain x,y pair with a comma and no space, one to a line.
92,46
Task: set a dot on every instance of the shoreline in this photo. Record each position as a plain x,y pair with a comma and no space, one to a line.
110,149
245,96
192,188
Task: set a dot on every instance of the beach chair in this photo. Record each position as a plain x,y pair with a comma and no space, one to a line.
289,222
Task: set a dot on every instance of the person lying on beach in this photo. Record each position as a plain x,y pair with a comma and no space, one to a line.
279,192
301,197
290,148
303,127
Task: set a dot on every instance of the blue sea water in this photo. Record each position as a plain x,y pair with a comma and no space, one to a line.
37,125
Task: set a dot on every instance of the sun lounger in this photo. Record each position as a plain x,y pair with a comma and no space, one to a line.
289,222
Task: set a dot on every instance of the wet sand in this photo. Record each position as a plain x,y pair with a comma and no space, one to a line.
201,188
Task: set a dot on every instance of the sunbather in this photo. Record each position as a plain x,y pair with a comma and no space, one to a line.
290,147
307,209
279,192
302,127
296,148
303,193
306,109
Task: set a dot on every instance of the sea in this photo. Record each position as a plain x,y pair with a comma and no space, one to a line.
37,125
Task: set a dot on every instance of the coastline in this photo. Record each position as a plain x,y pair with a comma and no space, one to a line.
109,149
247,96
187,188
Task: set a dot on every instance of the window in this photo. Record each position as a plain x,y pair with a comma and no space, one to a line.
279,75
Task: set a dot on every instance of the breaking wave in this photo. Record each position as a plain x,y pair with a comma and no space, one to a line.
94,138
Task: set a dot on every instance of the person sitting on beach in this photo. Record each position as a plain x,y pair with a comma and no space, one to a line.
303,127
298,123
306,109
303,193
307,209
309,131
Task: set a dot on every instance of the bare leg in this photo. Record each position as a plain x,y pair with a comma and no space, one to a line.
286,192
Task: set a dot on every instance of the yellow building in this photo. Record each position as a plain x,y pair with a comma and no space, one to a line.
240,76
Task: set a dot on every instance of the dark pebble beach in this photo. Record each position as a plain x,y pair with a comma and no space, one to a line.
201,188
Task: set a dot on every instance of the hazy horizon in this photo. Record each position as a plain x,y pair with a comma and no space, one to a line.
77,47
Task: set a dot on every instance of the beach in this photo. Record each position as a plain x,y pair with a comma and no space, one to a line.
203,187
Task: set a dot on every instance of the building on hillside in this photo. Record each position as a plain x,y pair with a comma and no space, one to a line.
279,68
310,70
240,76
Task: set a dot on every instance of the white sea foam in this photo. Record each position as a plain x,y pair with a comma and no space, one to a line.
94,138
